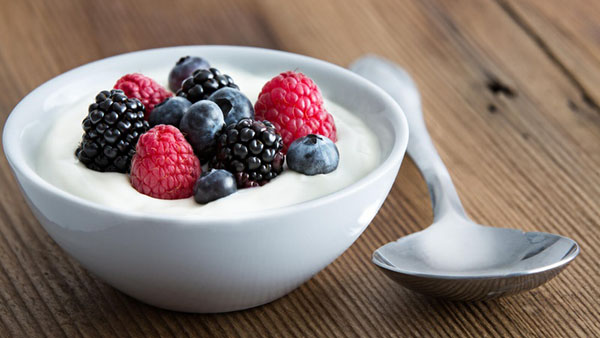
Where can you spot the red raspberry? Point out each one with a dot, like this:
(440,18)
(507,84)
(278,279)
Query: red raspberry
(164,165)
(293,103)
(144,89)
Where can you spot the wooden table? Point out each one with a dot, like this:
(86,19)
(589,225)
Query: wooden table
(511,92)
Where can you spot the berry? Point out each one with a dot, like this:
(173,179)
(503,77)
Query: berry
(213,185)
(144,89)
(251,150)
(201,124)
(164,165)
(234,105)
(293,103)
(170,111)
(203,83)
(183,69)
(111,131)
(313,155)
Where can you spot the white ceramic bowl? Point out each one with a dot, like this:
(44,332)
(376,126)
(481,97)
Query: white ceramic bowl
(200,264)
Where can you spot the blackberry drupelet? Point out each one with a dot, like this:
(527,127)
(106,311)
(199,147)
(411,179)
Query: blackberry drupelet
(251,150)
(112,128)
(204,82)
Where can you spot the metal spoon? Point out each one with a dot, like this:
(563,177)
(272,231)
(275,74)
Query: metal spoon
(456,258)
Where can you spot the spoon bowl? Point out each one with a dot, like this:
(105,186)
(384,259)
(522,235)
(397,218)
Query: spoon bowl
(456,258)
(461,260)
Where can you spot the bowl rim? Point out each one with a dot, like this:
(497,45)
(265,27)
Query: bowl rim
(17,161)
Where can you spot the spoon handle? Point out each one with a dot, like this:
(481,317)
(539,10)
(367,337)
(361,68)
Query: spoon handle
(399,85)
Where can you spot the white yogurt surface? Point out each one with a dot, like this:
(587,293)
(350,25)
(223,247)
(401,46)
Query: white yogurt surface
(358,147)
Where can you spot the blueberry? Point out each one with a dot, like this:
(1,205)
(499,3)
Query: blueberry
(170,111)
(200,126)
(213,185)
(233,103)
(183,69)
(313,155)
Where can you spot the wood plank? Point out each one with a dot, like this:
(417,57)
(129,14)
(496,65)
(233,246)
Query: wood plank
(569,33)
(499,107)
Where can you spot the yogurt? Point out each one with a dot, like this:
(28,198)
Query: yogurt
(358,147)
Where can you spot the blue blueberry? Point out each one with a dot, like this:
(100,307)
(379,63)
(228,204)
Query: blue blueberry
(200,126)
(313,155)
(213,185)
(170,111)
(234,104)
(183,69)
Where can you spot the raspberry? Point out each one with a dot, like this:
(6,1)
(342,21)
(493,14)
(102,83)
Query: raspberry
(164,165)
(144,89)
(293,103)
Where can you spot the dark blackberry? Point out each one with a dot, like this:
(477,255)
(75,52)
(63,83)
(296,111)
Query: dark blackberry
(204,82)
(251,150)
(112,128)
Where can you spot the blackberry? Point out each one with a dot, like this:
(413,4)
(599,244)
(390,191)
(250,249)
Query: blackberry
(251,150)
(112,128)
(204,82)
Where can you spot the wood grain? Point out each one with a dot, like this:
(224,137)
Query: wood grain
(510,92)
(570,37)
